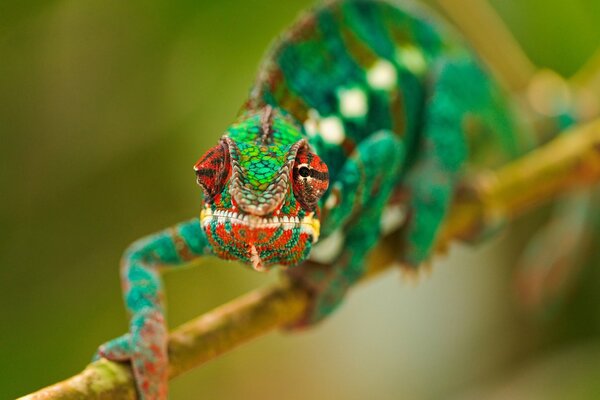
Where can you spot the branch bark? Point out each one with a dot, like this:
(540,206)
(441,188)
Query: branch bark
(569,162)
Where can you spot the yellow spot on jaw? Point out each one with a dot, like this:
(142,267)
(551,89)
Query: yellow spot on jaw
(352,102)
(382,75)
(412,58)
(316,226)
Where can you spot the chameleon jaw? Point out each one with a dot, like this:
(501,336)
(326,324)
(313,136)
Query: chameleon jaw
(308,224)
(258,241)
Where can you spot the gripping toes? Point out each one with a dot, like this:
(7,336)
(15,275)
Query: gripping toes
(325,293)
(149,354)
(118,349)
(146,349)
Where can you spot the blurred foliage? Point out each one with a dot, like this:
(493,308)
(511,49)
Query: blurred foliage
(105,106)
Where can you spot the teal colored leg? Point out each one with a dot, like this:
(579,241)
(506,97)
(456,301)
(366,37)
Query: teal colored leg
(363,189)
(432,180)
(145,346)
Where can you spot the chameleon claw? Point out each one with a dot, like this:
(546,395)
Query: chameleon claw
(145,348)
(118,349)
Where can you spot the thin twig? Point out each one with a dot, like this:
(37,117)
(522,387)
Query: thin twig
(586,85)
(569,162)
(588,75)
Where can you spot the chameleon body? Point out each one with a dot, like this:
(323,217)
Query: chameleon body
(357,107)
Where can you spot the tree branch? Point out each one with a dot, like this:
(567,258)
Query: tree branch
(571,161)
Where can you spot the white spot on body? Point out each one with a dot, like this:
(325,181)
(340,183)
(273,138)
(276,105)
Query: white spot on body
(328,249)
(352,102)
(331,201)
(332,130)
(311,125)
(392,218)
(412,58)
(382,75)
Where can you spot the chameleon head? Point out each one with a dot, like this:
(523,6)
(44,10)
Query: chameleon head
(262,184)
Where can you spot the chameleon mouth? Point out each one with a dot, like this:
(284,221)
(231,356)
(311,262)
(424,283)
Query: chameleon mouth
(308,224)
(259,241)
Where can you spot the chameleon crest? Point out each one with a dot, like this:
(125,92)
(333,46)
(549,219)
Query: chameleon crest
(262,184)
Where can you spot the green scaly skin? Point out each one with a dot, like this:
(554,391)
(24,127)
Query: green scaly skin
(358,107)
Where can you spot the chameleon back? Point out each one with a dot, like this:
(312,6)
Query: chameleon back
(349,69)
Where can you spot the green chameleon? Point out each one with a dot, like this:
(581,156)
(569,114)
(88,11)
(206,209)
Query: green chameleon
(363,119)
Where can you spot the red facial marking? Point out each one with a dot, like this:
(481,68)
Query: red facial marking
(150,367)
(310,178)
(282,240)
(212,170)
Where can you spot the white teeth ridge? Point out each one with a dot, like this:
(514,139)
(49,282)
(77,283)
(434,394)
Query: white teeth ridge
(306,224)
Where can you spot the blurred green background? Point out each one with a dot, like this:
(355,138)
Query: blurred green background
(104,107)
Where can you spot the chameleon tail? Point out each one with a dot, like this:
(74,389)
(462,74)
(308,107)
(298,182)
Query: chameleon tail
(551,263)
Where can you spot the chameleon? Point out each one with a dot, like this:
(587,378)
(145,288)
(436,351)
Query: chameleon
(364,118)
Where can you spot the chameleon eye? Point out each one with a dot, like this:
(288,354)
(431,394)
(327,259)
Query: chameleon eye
(310,178)
(212,170)
(304,172)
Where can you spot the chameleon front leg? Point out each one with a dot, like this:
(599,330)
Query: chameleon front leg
(145,346)
(459,89)
(352,214)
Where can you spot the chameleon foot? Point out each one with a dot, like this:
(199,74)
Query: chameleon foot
(325,290)
(146,349)
(118,349)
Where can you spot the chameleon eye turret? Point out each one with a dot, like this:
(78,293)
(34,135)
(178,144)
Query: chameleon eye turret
(212,171)
(262,184)
(310,177)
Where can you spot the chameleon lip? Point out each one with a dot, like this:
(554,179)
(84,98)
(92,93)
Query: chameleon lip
(308,224)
